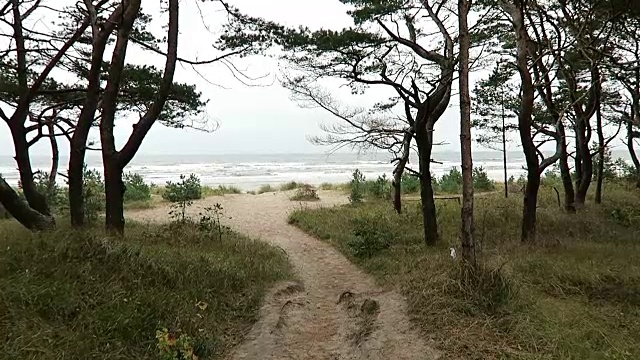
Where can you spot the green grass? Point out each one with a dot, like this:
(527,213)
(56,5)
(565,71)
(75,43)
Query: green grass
(154,202)
(336,187)
(291,185)
(575,295)
(208,191)
(81,295)
(266,189)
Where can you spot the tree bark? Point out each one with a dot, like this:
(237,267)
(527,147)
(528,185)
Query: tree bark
(468,243)
(529,216)
(114,194)
(429,216)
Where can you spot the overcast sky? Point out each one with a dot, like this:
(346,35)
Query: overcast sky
(252,119)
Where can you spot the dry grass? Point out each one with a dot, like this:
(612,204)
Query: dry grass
(575,295)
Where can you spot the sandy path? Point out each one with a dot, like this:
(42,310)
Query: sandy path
(335,312)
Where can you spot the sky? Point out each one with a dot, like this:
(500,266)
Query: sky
(260,118)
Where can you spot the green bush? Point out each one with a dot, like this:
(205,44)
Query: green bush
(94,198)
(481,180)
(379,189)
(136,188)
(451,183)
(357,187)
(56,197)
(370,236)
(410,184)
(188,188)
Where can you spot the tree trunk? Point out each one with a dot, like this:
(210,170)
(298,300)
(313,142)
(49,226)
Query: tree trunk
(586,165)
(76,176)
(35,199)
(504,157)
(601,145)
(468,248)
(517,13)
(397,196)
(399,170)
(430,223)
(114,195)
(530,206)
(21,211)
(55,159)
(78,146)
(565,172)
(631,145)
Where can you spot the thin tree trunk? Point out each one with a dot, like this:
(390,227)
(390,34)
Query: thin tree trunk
(399,171)
(631,145)
(468,248)
(601,145)
(430,223)
(504,152)
(55,159)
(565,172)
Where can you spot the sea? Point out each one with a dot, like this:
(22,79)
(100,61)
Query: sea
(250,171)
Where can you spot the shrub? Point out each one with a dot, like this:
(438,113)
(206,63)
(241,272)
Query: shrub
(357,187)
(94,198)
(481,180)
(410,184)
(379,189)
(452,182)
(188,188)
(306,193)
(136,188)
(370,237)
(54,194)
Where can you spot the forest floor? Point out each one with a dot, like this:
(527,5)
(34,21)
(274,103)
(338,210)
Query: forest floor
(334,310)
